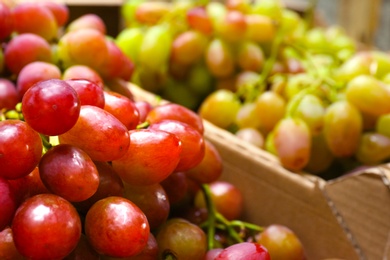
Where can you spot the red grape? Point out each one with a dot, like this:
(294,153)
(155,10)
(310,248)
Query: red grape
(46,226)
(51,107)
(33,73)
(83,72)
(6,21)
(83,250)
(110,184)
(152,200)
(65,169)
(152,156)
(8,250)
(115,226)
(20,149)
(82,47)
(28,186)
(122,108)
(175,112)
(244,251)
(210,168)
(8,95)
(8,203)
(89,92)
(37,19)
(89,20)
(192,142)
(25,48)
(100,134)
(59,10)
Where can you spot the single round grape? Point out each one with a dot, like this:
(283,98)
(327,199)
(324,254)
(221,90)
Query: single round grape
(220,108)
(89,92)
(46,226)
(373,149)
(100,134)
(51,107)
(369,95)
(152,156)
(192,142)
(181,239)
(116,227)
(175,112)
(65,169)
(292,143)
(33,73)
(90,20)
(342,128)
(219,58)
(20,149)
(281,242)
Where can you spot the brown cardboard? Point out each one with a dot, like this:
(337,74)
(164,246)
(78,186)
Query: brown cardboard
(315,209)
(362,200)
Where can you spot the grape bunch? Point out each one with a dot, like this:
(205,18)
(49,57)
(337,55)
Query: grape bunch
(89,172)
(126,180)
(308,94)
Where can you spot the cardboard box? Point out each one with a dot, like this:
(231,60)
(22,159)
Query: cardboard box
(345,218)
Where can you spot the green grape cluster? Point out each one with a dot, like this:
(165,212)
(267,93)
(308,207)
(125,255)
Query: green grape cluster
(305,93)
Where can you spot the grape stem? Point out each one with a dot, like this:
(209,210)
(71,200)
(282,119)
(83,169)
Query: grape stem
(216,220)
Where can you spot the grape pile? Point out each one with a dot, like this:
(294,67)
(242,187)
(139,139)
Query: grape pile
(305,93)
(88,172)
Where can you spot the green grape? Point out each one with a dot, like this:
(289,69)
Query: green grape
(342,128)
(382,125)
(220,108)
(181,94)
(219,58)
(358,64)
(270,108)
(199,80)
(129,41)
(290,21)
(216,11)
(315,40)
(247,116)
(291,140)
(155,48)
(381,64)
(270,8)
(369,95)
(340,43)
(250,56)
(296,83)
(321,157)
(128,10)
(374,148)
(310,109)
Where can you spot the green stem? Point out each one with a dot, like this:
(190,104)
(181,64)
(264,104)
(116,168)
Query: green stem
(246,225)
(211,216)
(269,64)
(46,144)
(232,232)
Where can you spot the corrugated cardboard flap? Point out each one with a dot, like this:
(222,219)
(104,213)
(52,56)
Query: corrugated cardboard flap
(363,202)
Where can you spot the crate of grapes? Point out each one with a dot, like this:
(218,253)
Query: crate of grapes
(343,218)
